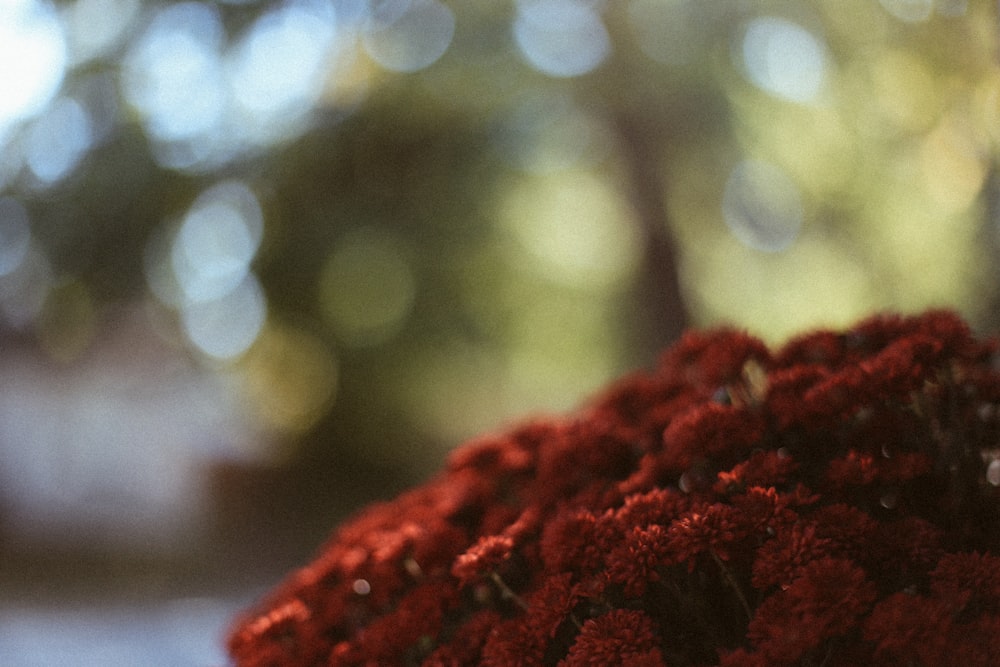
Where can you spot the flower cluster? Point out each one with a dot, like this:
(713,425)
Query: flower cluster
(836,502)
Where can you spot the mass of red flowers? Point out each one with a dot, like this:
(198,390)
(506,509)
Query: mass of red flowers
(834,503)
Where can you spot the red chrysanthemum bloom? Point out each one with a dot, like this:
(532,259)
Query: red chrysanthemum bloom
(484,557)
(834,503)
(619,638)
(824,601)
(635,562)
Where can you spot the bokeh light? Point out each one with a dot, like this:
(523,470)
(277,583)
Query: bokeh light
(226,327)
(205,102)
(32,59)
(202,268)
(911,11)
(575,227)
(784,59)
(216,242)
(277,69)
(561,38)
(367,288)
(779,294)
(547,133)
(408,35)
(762,206)
(953,164)
(173,74)
(58,140)
(96,27)
(290,376)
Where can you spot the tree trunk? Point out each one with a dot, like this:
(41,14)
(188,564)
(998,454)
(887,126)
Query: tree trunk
(659,289)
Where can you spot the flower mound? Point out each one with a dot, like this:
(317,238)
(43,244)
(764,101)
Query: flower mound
(833,503)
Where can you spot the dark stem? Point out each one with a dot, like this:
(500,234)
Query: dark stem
(507,593)
(735,585)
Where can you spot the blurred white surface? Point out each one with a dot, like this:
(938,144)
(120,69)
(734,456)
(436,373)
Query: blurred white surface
(177,633)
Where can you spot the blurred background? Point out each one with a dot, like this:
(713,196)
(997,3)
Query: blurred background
(263,262)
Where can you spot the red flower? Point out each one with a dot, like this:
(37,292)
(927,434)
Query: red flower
(416,619)
(973,574)
(659,506)
(908,629)
(825,601)
(711,430)
(616,639)
(466,644)
(524,640)
(763,512)
(484,557)
(634,563)
(828,505)
(780,561)
(714,529)
(763,468)
(847,530)
(785,390)
(570,542)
